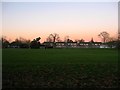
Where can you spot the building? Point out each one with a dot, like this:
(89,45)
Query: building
(74,44)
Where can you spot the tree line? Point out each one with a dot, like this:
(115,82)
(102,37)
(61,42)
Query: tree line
(35,43)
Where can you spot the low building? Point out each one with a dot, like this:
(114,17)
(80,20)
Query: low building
(73,44)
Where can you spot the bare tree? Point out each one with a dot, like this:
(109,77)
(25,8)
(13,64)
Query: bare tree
(112,39)
(22,40)
(92,41)
(66,38)
(79,41)
(104,35)
(49,39)
(53,37)
(4,42)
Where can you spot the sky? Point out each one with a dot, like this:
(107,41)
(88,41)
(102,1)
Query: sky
(78,20)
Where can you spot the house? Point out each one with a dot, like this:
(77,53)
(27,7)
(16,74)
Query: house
(104,45)
(73,44)
(89,44)
(60,44)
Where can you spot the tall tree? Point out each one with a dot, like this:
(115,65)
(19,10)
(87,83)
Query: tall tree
(35,43)
(92,41)
(53,37)
(5,42)
(104,35)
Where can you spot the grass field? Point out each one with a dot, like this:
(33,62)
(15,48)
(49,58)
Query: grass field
(60,68)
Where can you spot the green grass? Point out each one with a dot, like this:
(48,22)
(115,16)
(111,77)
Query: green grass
(60,56)
(60,68)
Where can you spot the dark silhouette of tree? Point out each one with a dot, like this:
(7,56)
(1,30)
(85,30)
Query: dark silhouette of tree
(69,40)
(66,38)
(53,37)
(37,39)
(112,44)
(20,43)
(92,41)
(104,35)
(5,42)
(80,41)
(49,39)
(27,42)
(14,44)
(35,43)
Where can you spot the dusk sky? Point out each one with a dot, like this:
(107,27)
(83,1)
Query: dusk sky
(78,20)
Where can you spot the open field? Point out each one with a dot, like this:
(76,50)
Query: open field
(49,68)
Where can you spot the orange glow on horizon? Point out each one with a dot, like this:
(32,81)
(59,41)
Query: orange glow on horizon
(76,20)
(87,38)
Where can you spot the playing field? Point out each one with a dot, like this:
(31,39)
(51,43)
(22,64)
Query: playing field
(49,68)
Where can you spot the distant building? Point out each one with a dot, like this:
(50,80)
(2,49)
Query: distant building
(74,44)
